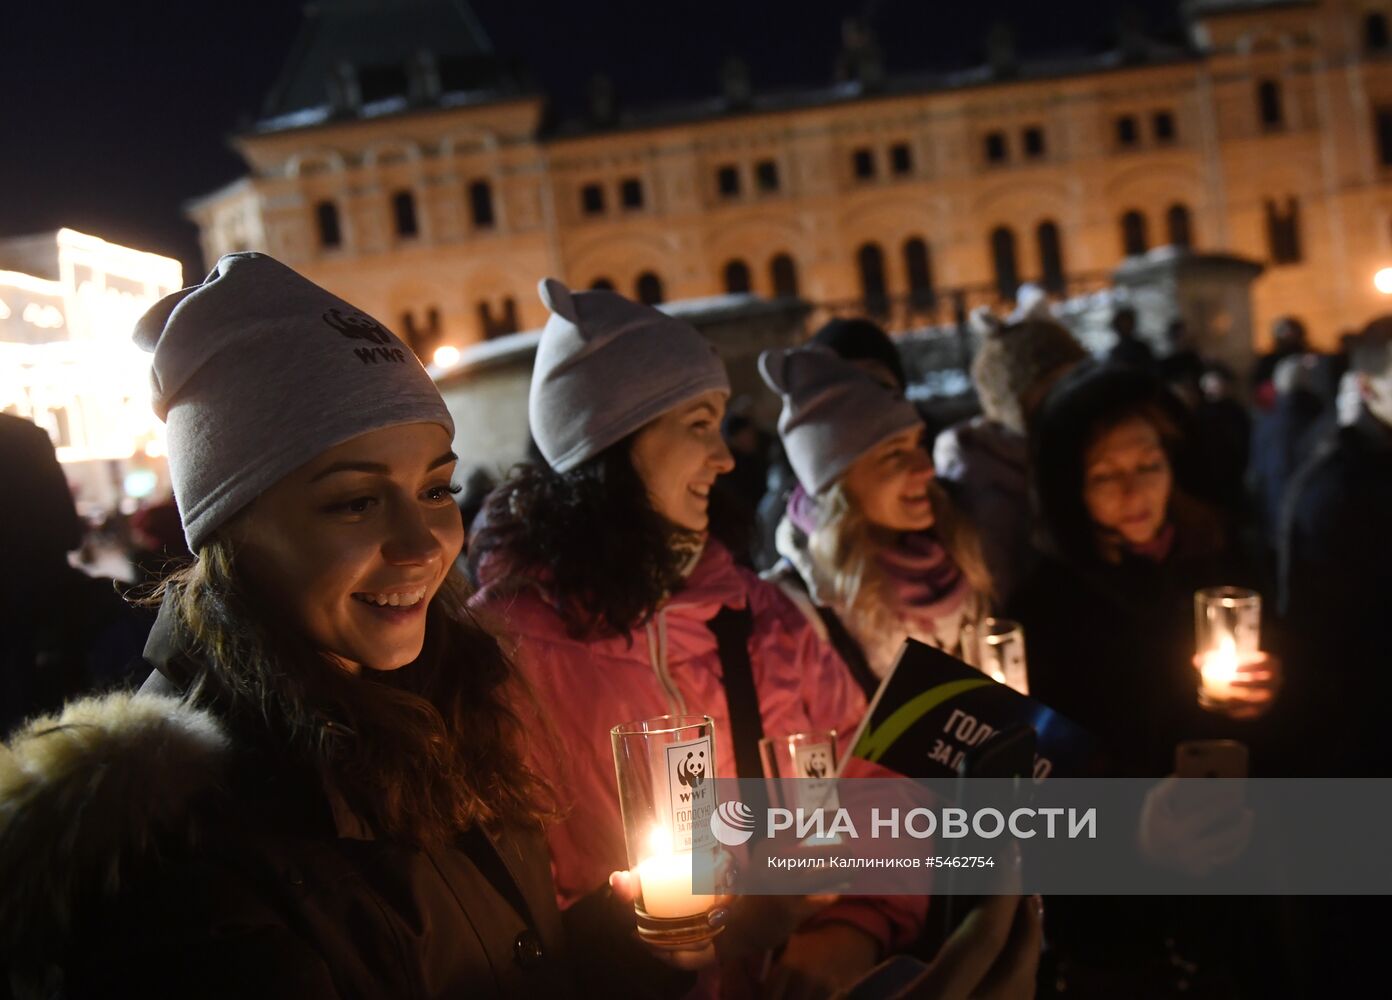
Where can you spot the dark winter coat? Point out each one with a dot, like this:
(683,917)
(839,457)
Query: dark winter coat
(1336,593)
(73,636)
(1111,645)
(146,851)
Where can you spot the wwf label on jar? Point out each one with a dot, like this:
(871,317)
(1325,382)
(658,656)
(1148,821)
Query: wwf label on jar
(691,793)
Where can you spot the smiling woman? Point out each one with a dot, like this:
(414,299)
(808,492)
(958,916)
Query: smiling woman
(872,547)
(356,543)
(321,790)
(623,608)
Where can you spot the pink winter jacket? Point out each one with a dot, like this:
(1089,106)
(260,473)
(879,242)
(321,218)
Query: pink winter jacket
(671,667)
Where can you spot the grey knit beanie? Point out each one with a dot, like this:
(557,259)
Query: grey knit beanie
(833,412)
(1014,357)
(258,370)
(605,367)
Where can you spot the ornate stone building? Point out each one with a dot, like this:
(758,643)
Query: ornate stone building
(402,164)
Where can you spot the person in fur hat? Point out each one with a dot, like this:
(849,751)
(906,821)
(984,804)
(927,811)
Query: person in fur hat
(320,791)
(984,460)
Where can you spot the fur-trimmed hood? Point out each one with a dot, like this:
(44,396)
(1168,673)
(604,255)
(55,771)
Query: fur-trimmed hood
(87,794)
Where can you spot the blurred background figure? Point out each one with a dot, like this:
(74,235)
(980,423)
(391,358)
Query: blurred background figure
(478,483)
(864,344)
(1284,435)
(1129,349)
(157,541)
(1336,571)
(62,632)
(984,461)
(1288,337)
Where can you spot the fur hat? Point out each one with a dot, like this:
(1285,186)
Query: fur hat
(1013,358)
(606,367)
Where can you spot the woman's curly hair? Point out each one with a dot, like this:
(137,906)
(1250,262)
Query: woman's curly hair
(590,536)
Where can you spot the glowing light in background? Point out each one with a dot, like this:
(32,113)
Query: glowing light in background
(1382,281)
(140,483)
(445,356)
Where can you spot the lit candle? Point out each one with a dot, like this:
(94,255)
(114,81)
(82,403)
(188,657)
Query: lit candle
(665,879)
(1219,669)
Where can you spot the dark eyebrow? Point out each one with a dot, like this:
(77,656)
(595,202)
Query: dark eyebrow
(369,467)
(376,468)
(702,406)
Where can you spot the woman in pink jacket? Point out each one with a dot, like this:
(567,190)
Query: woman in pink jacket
(621,606)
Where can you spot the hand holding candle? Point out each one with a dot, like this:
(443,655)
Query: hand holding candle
(664,880)
(1235,677)
(665,771)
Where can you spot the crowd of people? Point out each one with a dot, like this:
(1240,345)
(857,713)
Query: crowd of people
(357,742)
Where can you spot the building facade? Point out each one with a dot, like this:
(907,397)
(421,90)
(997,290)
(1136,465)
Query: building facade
(436,202)
(68,303)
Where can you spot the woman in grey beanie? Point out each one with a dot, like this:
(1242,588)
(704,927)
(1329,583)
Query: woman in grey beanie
(623,607)
(320,792)
(871,547)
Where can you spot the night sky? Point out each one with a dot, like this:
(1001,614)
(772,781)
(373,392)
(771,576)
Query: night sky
(114,115)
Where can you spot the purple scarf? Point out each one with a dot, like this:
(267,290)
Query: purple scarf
(924,577)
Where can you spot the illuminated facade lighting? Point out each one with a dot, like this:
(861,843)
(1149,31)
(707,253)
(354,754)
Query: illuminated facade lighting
(68,304)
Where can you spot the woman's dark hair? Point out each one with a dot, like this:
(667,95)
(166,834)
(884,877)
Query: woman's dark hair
(1092,399)
(422,753)
(590,536)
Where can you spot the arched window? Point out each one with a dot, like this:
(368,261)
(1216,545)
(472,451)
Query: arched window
(481,204)
(783,276)
(737,277)
(1283,231)
(1269,104)
(1133,234)
(920,271)
(404,213)
(1375,34)
(421,333)
(602,284)
(509,320)
(1004,262)
(874,292)
(498,326)
(1178,226)
(1051,274)
(649,288)
(326,218)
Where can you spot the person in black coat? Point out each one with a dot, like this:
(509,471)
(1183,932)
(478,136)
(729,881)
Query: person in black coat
(1108,615)
(62,632)
(1336,575)
(1109,633)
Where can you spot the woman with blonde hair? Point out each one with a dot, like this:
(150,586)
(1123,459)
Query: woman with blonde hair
(871,544)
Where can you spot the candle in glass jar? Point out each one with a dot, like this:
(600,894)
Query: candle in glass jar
(664,878)
(1218,669)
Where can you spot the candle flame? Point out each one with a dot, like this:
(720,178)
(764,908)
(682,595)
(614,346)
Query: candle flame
(1220,665)
(659,842)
